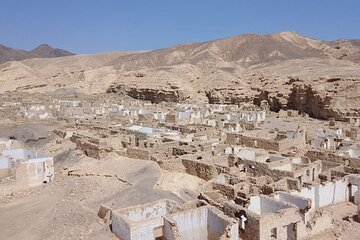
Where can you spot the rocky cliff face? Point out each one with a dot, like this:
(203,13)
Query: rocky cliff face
(150,94)
(305,99)
(322,99)
(227,96)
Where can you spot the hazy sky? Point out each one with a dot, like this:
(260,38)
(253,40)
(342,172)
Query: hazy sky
(88,26)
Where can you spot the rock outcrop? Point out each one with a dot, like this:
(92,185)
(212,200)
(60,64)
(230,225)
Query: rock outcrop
(151,94)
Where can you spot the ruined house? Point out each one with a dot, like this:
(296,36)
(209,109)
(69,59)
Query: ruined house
(161,220)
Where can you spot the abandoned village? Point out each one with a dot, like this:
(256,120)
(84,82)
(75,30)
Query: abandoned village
(264,175)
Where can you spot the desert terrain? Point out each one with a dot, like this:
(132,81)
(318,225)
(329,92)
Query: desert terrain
(286,69)
(260,132)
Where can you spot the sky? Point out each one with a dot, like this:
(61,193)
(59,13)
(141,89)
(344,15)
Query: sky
(90,26)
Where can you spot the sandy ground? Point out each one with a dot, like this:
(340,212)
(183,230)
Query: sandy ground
(67,208)
(63,209)
(344,223)
(182,184)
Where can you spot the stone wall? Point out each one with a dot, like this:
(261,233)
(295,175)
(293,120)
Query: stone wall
(279,221)
(138,153)
(261,169)
(89,149)
(252,142)
(200,169)
(332,157)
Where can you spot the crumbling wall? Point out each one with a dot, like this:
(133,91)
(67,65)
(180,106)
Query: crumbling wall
(247,141)
(261,169)
(225,189)
(89,149)
(252,225)
(309,173)
(253,142)
(170,118)
(113,142)
(332,157)
(89,146)
(232,138)
(286,184)
(171,231)
(138,153)
(221,227)
(279,221)
(267,144)
(200,169)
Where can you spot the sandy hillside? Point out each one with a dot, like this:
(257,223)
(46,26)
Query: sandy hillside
(286,69)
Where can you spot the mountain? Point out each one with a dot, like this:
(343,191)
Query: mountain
(245,50)
(42,51)
(45,51)
(286,69)
(10,54)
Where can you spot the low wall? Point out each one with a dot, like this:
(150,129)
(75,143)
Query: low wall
(200,169)
(225,189)
(89,149)
(252,142)
(114,142)
(138,153)
(232,138)
(261,169)
(267,144)
(332,157)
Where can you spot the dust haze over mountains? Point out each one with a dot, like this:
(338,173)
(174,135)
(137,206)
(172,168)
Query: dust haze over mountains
(288,70)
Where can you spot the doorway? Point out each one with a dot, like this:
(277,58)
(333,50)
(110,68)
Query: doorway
(351,197)
(292,231)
